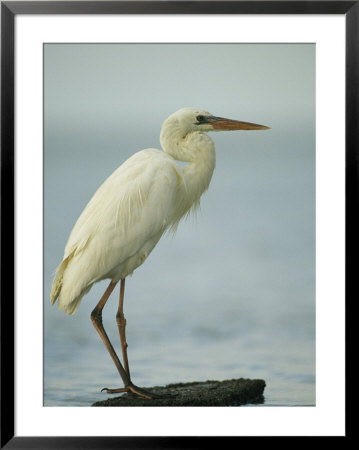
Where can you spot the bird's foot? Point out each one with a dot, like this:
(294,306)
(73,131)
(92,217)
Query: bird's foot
(133,389)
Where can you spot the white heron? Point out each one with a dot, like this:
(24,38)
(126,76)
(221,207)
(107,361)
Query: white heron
(147,195)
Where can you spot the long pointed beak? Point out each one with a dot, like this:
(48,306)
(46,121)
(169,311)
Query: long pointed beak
(220,123)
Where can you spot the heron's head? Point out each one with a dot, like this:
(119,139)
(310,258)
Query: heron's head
(182,133)
(189,120)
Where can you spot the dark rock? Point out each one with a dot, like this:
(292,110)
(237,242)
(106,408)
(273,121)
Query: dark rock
(209,393)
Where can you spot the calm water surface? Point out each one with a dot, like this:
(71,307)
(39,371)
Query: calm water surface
(231,295)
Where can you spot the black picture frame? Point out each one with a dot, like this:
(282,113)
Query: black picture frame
(9,10)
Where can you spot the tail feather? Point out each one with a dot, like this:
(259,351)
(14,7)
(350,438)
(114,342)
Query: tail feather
(71,308)
(57,282)
(68,298)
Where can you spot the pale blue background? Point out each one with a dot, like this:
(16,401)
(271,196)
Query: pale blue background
(233,293)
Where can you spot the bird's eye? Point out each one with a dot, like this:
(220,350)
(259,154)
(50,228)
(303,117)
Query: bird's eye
(200,118)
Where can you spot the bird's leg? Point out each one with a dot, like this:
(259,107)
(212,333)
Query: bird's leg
(121,323)
(96,317)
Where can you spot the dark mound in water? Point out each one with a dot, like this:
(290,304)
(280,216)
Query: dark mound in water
(208,393)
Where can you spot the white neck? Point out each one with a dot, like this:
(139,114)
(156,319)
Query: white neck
(198,150)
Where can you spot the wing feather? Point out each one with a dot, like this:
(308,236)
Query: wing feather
(120,225)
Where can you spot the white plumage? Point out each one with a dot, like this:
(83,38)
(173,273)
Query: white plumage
(147,195)
(120,225)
